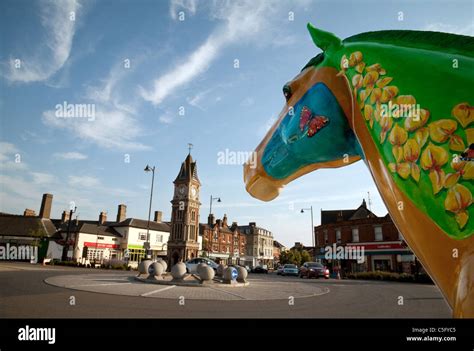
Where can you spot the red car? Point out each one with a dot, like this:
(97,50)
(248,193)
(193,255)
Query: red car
(313,270)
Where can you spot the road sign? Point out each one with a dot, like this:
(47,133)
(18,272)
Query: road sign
(234,273)
(126,253)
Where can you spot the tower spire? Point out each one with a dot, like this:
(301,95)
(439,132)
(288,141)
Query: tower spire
(190,147)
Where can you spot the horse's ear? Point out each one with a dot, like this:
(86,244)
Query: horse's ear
(324,40)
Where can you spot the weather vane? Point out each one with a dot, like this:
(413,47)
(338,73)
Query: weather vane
(190,146)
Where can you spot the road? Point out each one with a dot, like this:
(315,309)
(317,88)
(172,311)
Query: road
(25,294)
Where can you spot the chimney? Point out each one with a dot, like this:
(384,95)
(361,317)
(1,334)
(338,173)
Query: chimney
(224,221)
(210,219)
(29,213)
(364,204)
(339,217)
(219,223)
(252,224)
(234,226)
(65,217)
(102,217)
(158,216)
(46,203)
(121,213)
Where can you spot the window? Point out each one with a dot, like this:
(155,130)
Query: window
(355,235)
(159,238)
(100,238)
(142,236)
(378,233)
(326,236)
(193,215)
(136,254)
(338,235)
(216,237)
(114,239)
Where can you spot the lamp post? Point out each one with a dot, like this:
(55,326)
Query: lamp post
(312,226)
(147,243)
(66,244)
(212,199)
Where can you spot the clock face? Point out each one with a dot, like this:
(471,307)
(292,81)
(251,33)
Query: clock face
(182,190)
(194,191)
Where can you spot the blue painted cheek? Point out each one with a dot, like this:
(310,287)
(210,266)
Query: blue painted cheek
(290,148)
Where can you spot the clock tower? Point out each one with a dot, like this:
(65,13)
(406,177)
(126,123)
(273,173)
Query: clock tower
(183,241)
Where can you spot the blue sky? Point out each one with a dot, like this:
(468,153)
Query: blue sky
(174,64)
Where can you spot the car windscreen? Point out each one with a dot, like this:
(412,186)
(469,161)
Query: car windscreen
(315,265)
(290,266)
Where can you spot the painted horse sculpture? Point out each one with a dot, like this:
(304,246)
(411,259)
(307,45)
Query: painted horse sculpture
(400,101)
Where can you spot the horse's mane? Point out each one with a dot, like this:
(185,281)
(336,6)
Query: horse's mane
(461,44)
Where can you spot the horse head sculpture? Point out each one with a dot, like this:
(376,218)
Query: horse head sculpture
(401,102)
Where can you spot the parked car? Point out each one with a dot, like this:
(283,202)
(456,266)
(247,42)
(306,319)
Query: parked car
(238,265)
(192,264)
(289,269)
(260,269)
(313,270)
(279,270)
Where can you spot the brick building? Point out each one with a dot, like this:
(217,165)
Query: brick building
(384,247)
(222,242)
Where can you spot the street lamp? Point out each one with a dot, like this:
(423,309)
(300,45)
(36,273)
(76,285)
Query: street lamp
(312,226)
(147,244)
(66,244)
(212,199)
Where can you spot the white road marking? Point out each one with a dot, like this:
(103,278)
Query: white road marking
(157,291)
(107,284)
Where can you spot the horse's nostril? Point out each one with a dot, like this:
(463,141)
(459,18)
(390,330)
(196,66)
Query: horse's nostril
(293,138)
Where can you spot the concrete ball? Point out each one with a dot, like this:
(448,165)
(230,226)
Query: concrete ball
(178,271)
(164,264)
(228,274)
(206,273)
(220,270)
(155,269)
(199,267)
(242,274)
(143,266)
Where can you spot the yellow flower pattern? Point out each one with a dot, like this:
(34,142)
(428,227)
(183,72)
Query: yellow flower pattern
(418,144)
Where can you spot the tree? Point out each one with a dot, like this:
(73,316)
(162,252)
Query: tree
(305,257)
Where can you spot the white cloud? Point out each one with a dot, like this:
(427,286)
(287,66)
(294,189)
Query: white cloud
(43,178)
(178,5)
(115,125)
(84,181)
(451,28)
(7,150)
(241,20)
(70,155)
(111,129)
(55,47)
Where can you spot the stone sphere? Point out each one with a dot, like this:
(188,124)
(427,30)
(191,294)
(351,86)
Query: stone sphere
(206,273)
(199,267)
(155,269)
(143,266)
(220,270)
(164,264)
(178,271)
(229,274)
(242,274)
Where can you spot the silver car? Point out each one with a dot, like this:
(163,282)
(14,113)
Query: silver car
(191,265)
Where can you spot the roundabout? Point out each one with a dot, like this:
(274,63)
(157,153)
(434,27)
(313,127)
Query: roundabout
(130,285)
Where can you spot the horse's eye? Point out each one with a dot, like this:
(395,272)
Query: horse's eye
(287,92)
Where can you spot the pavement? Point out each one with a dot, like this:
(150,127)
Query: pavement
(34,291)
